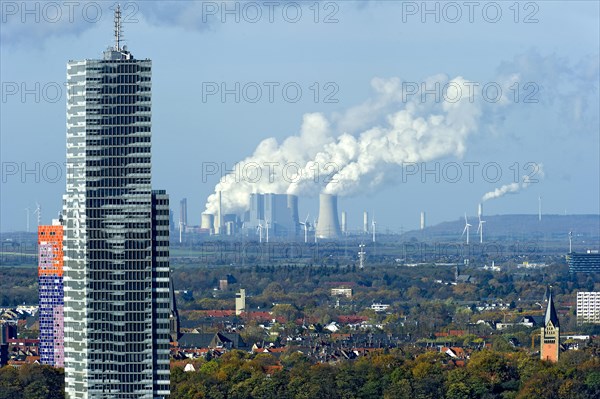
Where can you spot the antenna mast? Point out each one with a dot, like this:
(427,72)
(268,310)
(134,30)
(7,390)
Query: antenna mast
(118,28)
(38,212)
(361,256)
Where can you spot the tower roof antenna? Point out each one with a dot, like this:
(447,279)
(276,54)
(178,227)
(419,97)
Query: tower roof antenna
(118,28)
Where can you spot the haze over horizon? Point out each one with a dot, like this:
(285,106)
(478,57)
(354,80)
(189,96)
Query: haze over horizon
(374,114)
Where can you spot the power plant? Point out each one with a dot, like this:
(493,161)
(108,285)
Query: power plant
(328,225)
(271,217)
(276,213)
(276,216)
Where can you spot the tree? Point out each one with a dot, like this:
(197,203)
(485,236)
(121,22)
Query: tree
(38,389)
(543,385)
(31,381)
(10,385)
(414,293)
(287,311)
(491,367)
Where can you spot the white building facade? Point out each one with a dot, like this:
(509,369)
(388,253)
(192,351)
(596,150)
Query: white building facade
(588,307)
(116,273)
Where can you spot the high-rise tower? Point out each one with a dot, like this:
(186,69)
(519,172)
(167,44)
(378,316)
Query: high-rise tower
(116,247)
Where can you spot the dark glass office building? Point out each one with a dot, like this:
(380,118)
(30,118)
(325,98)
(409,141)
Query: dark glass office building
(587,262)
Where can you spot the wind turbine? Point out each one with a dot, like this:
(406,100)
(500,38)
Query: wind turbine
(570,241)
(27,212)
(267,224)
(467,227)
(373,223)
(259,230)
(480,230)
(38,212)
(306,224)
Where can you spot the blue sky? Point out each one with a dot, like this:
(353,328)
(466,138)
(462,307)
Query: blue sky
(366,59)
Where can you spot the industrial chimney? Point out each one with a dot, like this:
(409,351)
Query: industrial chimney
(218,221)
(328,225)
(366,222)
(422,220)
(292,204)
(344,226)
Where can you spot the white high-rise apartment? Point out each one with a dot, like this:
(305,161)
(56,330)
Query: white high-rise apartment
(588,307)
(116,246)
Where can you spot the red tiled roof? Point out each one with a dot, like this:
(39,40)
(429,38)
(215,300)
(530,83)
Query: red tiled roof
(459,352)
(257,315)
(277,350)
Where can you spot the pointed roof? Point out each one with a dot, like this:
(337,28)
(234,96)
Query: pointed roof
(551,313)
(173,301)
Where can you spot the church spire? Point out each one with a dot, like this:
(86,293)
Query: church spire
(551,315)
(550,333)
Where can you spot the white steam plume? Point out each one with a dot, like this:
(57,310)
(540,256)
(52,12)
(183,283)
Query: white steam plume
(317,161)
(500,191)
(515,187)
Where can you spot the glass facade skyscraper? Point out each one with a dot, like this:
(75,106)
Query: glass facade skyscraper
(116,248)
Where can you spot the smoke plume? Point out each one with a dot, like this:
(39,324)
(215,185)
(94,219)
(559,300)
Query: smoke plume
(515,187)
(410,130)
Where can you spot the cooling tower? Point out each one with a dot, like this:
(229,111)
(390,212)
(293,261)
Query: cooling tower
(207,221)
(344,227)
(328,225)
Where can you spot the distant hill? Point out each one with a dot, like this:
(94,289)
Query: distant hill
(517,227)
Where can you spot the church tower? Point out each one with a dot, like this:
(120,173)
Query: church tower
(550,334)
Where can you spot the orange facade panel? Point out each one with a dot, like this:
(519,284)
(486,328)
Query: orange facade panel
(550,352)
(50,250)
